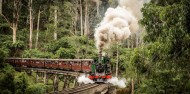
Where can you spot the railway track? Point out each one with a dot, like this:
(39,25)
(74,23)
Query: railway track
(80,88)
(85,89)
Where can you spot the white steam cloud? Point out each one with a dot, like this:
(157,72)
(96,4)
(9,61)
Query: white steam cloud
(121,83)
(84,79)
(134,6)
(117,25)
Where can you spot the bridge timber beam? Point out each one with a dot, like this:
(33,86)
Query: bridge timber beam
(44,74)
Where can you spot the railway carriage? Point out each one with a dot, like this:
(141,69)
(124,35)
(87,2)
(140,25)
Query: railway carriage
(17,62)
(76,65)
(86,65)
(25,62)
(51,63)
(37,63)
(65,64)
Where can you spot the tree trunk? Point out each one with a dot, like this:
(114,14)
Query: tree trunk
(1,1)
(75,16)
(14,32)
(16,10)
(97,8)
(117,62)
(31,24)
(137,39)
(132,42)
(81,18)
(55,22)
(38,26)
(86,25)
(128,43)
(132,84)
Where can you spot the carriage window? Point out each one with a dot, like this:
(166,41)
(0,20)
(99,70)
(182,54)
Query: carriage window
(37,61)
(75,63)
(47,62)
(54,62)
(85,63)
(33,61)
(78,63)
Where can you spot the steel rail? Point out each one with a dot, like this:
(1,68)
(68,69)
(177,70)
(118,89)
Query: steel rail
(80,88)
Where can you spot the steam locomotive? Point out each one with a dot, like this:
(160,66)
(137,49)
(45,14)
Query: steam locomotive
(99,69)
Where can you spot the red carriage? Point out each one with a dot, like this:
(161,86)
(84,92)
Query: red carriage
(64,64)
(86,65)
(51,63)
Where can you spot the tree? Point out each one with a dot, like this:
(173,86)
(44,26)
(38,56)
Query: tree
(55,22)
(31,23)
(76,17)
(86,22)
(81,19)
(38,26)
(16,14)
(1,3)
(163,63)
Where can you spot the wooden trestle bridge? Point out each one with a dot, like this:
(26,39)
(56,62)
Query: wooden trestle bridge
(56,75)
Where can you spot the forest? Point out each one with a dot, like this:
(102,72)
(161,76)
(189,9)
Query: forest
(155,59)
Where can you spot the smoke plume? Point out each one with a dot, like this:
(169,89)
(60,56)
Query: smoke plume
(118,23)
(121,83)
(84,79)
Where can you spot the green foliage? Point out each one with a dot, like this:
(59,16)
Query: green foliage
(7,80)
(17,45)
(4,51)
(15,49)
(3,55)
(7,69)
(72,47)
(20,82)
(162,64)
(12,82)
(66,47)
(65,53)
(6,92)
(38,88)
(34,53)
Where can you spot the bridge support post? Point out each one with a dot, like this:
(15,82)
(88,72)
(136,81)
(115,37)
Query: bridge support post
(75,81)
(55,83)
(29,72)
(77,84)
(37,77)
(65,81)
(45,77)
(68,81)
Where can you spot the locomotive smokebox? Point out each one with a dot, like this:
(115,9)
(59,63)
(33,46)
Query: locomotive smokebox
(100,56)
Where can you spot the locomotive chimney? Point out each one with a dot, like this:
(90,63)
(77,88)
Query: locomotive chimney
(100,56)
